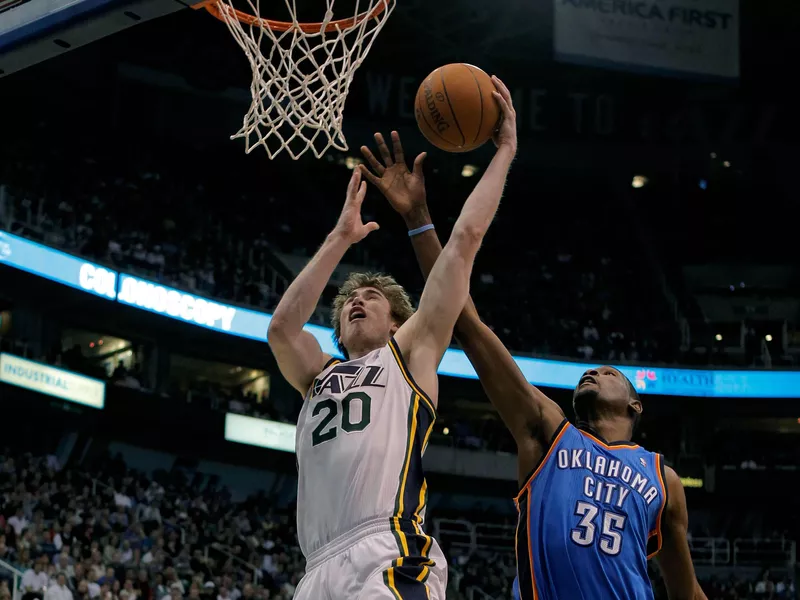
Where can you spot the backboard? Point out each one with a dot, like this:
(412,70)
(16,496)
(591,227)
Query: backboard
(32,31)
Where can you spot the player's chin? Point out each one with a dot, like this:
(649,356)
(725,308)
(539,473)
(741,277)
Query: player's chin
(582,401)
(354,326)
(585,393)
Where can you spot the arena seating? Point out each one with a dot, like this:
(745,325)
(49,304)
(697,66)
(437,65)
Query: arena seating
(580,289)
(118,535)
(121,535)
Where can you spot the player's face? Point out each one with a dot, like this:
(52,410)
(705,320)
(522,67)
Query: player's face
(604,384)
(366,317)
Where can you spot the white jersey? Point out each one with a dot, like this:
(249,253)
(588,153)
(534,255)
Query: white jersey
(361,434)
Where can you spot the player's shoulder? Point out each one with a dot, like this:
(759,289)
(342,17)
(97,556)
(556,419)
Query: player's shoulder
(394,355)
(330,363)
(671,478)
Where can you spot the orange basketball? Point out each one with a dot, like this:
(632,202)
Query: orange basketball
(455,108)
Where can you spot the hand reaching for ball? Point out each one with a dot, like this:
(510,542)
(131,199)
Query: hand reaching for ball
(404,189)
(506,133)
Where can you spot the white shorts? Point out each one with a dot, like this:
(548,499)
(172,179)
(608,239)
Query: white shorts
(373,563)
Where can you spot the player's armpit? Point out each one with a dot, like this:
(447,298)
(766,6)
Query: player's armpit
(675,559)
(299,357)
(424,338)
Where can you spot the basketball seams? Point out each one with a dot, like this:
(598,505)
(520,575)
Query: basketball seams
(421,108)
(480,95)
(452,110)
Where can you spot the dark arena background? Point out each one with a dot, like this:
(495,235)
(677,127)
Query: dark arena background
(649,222)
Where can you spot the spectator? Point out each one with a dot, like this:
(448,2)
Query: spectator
(18,521)
(34,581)
(82,591)
(59,591)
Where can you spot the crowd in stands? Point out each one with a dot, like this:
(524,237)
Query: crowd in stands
(115,535)
(577,287)
(111,533)
(493,574)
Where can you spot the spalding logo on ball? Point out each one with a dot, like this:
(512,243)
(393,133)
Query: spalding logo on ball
(455,108)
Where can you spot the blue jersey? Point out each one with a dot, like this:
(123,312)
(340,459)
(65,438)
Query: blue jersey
(589,519)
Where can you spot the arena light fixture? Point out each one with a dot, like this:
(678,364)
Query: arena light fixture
(718,337)
(446,430)
(639,181)
(351,162)
(726,164)
(768,337)
(469,170)
(692,482)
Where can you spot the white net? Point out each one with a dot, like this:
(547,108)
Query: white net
(301,73)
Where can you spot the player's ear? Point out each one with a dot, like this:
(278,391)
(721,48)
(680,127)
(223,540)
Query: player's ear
(636,406)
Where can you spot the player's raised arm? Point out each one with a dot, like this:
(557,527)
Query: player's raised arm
(675,559)
(298,353)
(424,338)
(530,415)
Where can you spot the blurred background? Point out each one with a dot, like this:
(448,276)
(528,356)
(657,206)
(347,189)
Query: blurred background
(649,222)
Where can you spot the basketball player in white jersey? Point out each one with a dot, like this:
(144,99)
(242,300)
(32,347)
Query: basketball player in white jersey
(365,421)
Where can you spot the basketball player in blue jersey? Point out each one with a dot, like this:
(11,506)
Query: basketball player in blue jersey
(593,506)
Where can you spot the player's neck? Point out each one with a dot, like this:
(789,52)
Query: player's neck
(360,350)
(611,429)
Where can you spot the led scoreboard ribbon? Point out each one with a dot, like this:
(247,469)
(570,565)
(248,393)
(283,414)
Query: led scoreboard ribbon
(242,322)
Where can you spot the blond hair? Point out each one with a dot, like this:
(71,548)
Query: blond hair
(399,300)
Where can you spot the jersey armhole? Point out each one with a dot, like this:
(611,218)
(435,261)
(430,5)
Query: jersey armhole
(401,363)
(547,450)
(309,392)
(330,363)
(655,538)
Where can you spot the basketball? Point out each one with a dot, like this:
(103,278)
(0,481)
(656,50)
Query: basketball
(455,108)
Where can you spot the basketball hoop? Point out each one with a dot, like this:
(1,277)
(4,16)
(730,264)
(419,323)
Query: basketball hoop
(301,72)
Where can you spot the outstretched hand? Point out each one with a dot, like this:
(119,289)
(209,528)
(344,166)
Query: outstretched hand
(350,225)
(506,134)
(404,189)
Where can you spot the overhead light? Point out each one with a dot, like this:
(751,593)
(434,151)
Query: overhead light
(639,181)
(446,430)
(718,337)
(691,482)
(726,164)
(713,155)
(768,337)
(469,170)
(351,162)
